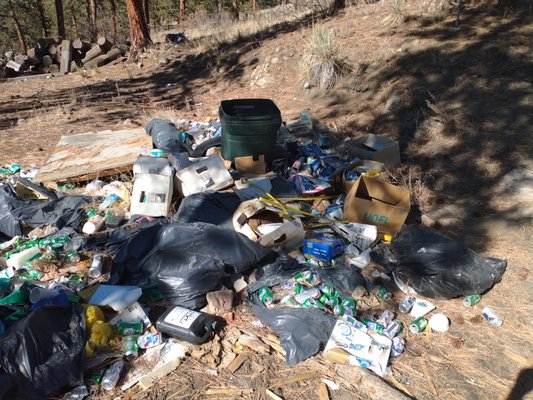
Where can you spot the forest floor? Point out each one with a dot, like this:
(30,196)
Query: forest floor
(460,102)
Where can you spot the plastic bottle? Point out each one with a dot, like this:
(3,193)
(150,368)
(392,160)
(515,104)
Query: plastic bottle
(94,224)
(193,326)
(19,259)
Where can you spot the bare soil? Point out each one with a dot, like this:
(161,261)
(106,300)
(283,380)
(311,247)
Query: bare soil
(460,104)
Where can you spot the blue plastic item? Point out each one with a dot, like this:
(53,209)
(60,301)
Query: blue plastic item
(323,247)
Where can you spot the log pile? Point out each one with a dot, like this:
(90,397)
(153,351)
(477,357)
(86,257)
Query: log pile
(55,55)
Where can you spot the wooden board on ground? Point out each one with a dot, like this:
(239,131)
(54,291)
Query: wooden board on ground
(93,154)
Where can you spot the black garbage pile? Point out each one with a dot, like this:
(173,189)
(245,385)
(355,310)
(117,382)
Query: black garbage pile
(307,230)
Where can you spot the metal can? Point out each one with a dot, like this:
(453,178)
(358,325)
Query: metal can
(306,303)
(406,304)
(382,293)
(265,295)
(318,304)
(307,278)
(73,257)
(398,346)
(96,376)
(149,340)
(112,375)
(393,329)
(472,299)
(348,302)
(130,347)
(130,328)
(308,294)
(333,301)
(418,325)
(341,310)
(327,290)
(376,326)
(288,301)
(491,317)
(96,267)
(298,288)
(386,318)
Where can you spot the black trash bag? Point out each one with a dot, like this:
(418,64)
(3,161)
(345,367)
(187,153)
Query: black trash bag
(186,261)
(44,353)
(303,332)
(66,211)
(438,267)
(166,137)
(215,208)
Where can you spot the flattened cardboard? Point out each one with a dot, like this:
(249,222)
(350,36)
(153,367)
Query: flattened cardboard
(376,148)
(372,201)
(251,165)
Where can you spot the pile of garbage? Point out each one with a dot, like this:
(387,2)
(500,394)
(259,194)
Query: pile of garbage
(289,218)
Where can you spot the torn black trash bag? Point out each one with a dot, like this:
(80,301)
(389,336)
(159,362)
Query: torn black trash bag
(438,267)
(303,332)
(166,137)
(186,261)
(45,352)
(215,208)
(16,213)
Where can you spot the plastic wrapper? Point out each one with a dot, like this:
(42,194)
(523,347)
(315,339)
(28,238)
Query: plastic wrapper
(166,136)
(303,332)
(186,261)
(44,352)
(438,267)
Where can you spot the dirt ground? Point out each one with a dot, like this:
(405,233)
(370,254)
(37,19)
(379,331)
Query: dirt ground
(460,102)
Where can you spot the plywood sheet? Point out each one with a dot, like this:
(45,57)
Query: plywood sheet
(93,154)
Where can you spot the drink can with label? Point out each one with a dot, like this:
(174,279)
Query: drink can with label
(386,318)
(393,329)
(472,299)
(418,325)
(382,293)
(406,304)
(348,302)
(308,294)
(376,326)
(491,317)
(112,375)
(265,295)
(398,346)
(327,290)
(298,288)
(130,347)
(96,267)
(130,328)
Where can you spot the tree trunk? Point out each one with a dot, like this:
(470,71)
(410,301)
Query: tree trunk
(235,10)
(18,28)
(146,8)
(91,19)
(113,20)
(139,35)
(42,17)
(60,18)
(254,5)
(181,19)
(75,29)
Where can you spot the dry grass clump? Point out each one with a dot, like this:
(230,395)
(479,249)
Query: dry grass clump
(323,62)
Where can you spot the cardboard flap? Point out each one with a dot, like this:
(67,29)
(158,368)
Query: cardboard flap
(251,165)
(374,189)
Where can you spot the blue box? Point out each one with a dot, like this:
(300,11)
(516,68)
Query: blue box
(323,247)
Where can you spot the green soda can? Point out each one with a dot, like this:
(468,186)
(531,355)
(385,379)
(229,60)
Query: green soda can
(321,306)
(130,347)
(96,376)
(73,257)
(306,304)
(130,328)
(382,293)
(376,326)
(323,299)
(298,288)
(333,301)
(265,295)
(348,302)
(472,299)
(288,301)
(418,325)
(327,290)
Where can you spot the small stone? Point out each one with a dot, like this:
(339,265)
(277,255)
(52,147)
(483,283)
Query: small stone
(307,85)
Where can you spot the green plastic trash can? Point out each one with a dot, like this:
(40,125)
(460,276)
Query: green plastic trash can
(249,128)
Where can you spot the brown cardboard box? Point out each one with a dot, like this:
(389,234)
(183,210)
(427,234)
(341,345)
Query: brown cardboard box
(372,201)
(376,148)
(347,185)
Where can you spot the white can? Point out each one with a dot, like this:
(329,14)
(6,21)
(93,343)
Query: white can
(94,224)
(491,317)
(96,267)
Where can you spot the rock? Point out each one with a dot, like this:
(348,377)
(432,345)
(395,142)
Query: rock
(518,182)
(274,60)
(21,121)
(307,85)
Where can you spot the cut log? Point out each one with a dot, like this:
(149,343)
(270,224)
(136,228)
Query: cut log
(44,43)
(79,44)
(105,44)
(54,68)
(93,53)
(66,56)
(44,69)
(103,59)
(47,60)
(52,49)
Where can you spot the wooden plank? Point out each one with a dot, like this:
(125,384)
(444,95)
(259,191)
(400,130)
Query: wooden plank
(272,395)
(66,56)
(322,391)
(293,379)
(236,364)
(93,154)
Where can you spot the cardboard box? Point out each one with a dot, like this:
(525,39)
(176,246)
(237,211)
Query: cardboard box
(372,201)
(208,174)
(323,247)
(151,195)
(360,167)
(376,148)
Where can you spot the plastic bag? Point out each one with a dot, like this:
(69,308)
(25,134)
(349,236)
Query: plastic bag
(303,332)
(438,267)
(166,137)
(186,261)
(44,352)
(216,208)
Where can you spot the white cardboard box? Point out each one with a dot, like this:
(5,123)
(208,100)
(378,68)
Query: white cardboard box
(208,174)
(151,195)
